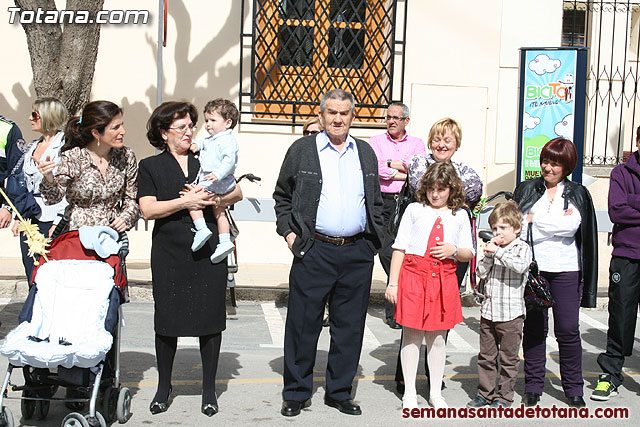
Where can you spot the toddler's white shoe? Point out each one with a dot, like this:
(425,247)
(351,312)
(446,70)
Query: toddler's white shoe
(409,402)
(222,250)
(438,402)
(200,239)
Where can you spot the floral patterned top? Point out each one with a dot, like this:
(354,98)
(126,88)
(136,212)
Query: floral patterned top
(470,180)
(94,199)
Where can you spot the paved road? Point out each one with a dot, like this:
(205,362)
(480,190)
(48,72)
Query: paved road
(250,382)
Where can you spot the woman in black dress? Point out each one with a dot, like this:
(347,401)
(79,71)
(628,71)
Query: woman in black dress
(188,290)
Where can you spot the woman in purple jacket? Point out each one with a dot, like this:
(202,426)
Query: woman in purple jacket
(624,273)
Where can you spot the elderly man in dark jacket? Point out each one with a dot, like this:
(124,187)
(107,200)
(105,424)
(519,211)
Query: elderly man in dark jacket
(329,210)
(624,274)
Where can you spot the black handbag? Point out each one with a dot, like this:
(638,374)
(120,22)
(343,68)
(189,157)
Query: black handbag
(23,199)
(537,295)
(405,197)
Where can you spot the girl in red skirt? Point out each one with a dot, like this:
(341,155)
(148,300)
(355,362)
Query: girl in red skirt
(434,234)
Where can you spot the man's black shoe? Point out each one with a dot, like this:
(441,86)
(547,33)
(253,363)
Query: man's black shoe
(530,398)
(345,406)
(392,323)
(291,408)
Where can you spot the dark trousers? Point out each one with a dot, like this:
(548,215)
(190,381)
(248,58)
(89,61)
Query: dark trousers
(499,341)
(624,296)
(566,290)
(345,273)
(389,205)
(27,261)
(460,272)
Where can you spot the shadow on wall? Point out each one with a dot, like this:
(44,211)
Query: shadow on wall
(20,115)
(135,122)
(221,80)
(135,118)
(506,182)
(216,79)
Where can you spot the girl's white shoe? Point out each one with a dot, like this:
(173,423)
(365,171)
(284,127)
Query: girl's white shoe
(437,402)
(409,402)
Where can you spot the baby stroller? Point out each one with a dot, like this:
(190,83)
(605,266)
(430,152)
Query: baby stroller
(69,336)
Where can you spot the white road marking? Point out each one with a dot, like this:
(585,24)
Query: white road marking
(552,344)
(5,301)
(275,324)
(596,324)
(459,344)
(584,317)
(369,341)
(188,342)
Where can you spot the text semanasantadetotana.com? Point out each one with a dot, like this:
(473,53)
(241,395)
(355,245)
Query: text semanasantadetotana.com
(41,16)
(518,412)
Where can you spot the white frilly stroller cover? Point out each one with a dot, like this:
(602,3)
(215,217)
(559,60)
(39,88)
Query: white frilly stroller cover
(70,305)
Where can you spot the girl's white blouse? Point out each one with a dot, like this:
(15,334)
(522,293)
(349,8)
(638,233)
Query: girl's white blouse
(554,233)
(418,221)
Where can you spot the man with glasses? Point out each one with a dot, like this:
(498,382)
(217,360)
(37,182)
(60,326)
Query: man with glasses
(329,211)
(393,149)
(11,149)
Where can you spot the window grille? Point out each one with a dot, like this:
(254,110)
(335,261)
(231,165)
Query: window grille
(611,31)
(300,49)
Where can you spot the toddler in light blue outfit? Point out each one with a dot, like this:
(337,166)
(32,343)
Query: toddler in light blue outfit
(218,161)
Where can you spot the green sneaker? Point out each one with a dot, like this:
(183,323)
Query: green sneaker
(605,388)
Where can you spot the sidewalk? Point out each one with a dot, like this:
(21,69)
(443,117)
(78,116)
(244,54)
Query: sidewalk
(254,282)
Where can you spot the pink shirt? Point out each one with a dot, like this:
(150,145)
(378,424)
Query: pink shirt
(386,148)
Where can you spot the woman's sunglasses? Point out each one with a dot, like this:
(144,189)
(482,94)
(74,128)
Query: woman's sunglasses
(309,132)
(35,115)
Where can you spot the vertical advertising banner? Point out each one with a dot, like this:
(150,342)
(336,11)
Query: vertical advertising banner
(548,108)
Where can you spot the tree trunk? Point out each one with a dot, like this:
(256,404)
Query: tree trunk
(63,61)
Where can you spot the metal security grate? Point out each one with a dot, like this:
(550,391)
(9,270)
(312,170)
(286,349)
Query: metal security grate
(302,48)
(611,31)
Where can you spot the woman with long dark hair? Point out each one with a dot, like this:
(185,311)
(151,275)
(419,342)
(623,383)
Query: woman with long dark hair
(97,174)
(188,290)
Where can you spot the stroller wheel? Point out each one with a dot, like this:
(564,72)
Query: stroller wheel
(41,409)
(27,407)
(75,419)
(6,417)
(109,404)
(97,421)
(123,410)
(50,392)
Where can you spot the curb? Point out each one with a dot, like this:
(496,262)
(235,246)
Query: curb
(279,295)
(141,291)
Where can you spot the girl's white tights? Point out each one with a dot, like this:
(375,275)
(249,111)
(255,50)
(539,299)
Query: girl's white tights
(410,354)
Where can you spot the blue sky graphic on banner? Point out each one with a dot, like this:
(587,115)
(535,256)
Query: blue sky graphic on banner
(548,103)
